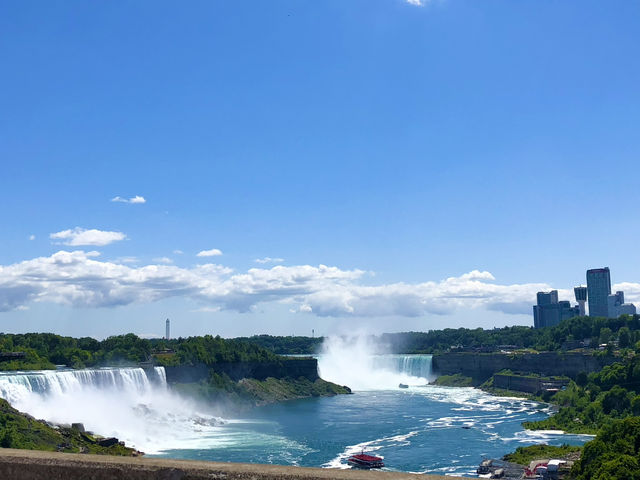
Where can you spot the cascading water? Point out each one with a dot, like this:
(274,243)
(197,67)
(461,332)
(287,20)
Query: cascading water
(418,366)
(129,403)
(357,363)
(17,387)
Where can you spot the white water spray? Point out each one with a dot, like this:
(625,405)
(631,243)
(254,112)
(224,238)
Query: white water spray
(359,363)
(131,404)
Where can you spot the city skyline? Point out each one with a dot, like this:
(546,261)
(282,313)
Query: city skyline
(239,171)
(550,310)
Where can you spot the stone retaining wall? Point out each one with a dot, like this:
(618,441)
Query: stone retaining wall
(38,465)
(480,366)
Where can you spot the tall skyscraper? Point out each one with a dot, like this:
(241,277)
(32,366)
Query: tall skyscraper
(598,289)
(168,332)
(549,311)
(581,298)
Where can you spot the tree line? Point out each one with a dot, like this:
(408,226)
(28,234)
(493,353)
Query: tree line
(624,331)
(46,350)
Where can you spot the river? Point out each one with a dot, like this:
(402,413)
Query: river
(421,429)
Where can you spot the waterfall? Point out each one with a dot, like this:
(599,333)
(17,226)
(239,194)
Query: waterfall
(357,363)
(132,404)
(412,365)
(16,386)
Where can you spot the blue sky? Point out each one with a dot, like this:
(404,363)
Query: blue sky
(444,161)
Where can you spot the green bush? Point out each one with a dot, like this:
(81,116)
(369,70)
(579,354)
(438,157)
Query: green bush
(613,455)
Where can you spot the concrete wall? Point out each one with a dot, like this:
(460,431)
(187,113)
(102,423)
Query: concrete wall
(525,384)
(290,367)
(36,465)
(480,366)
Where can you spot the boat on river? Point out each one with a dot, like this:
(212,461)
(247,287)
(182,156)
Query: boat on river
(485,467)
(362,460)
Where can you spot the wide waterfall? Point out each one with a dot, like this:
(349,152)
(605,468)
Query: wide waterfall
(359,364)
(132,404)
(418,366)
(17,387)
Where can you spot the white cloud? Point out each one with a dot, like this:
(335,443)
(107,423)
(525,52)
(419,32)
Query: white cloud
(32,237)
(631,291)
(149,335)
(79,279)
(178,252)
(80,237)
(207,310)
(477,275)
(127,260)
(417,3)
(136,199)
(165,260)
(269,260)
(214,252)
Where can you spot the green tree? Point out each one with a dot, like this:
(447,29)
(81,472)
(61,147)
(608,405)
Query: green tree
(624,337)
(582,379)
(613,454)
(605,335)
(615,399)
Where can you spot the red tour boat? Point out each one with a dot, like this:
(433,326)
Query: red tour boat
(363,460)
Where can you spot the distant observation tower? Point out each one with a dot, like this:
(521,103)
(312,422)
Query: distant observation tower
(168,331)
(581,298)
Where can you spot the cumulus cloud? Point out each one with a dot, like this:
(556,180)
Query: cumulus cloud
(631,291)
(81,237)
(32,237)
(269,260)
(417,3)
(80,279)
(214,252)
(136,199)
(127,260)
(149,335)
(165,260)
(178,252)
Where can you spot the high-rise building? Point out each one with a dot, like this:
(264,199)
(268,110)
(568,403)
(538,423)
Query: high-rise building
(617,307)
(581,298)
(547,298)
(168,330)
(598,289)
(549,311)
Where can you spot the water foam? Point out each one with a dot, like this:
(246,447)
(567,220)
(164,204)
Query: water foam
(401,440)
(129,403)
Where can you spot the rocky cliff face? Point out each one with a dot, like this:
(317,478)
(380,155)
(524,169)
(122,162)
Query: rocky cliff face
(481,366)
(290,367)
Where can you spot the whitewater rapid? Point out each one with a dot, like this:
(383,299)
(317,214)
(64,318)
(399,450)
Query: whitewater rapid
(131,404)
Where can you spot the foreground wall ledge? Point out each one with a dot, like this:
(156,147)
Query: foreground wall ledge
(39,465)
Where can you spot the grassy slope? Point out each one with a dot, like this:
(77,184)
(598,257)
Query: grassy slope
(18,430)
(457,380)
(524,455)
(276,390)
(250,392)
